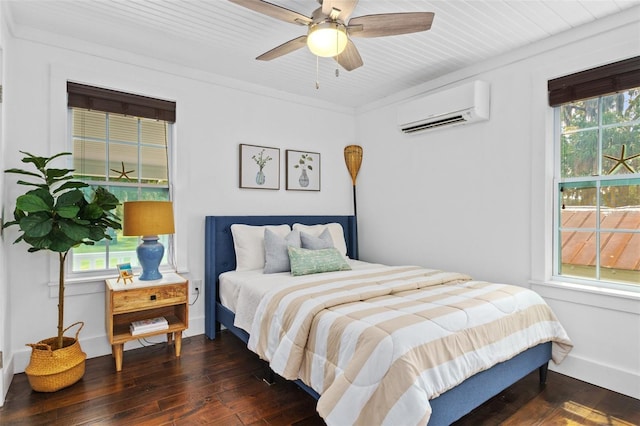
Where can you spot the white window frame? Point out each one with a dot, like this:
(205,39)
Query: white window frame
(554,253)
(60,74)
(170,266)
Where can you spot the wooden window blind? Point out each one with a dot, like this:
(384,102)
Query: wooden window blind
(107,100)
(603,80)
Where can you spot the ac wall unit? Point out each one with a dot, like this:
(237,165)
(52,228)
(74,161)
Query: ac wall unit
(462,104)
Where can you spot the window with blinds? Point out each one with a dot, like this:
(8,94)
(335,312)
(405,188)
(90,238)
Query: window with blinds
(126,153)
(597,174)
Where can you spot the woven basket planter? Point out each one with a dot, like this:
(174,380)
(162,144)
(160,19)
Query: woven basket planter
(51,370)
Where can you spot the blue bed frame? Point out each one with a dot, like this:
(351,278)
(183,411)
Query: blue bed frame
(447,408)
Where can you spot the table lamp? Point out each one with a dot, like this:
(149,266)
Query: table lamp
(148,219)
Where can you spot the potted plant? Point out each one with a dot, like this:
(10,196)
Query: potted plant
(304,163)
(55,215)
(261,160)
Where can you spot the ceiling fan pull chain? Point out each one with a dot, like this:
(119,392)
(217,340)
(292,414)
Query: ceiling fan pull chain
(317,72)
(337,50)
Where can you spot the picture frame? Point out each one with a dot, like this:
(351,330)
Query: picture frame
(303,170)
(259,167)
(125,272)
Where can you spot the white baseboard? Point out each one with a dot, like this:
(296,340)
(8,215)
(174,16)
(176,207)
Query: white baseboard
(99,345)
(605,376)
(5,380)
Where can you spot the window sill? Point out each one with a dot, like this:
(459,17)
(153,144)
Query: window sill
(606,298)
(91,284)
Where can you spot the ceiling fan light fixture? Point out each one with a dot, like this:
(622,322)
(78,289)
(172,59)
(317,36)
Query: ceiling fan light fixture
(327,39)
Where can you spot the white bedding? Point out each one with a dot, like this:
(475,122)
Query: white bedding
(241,291)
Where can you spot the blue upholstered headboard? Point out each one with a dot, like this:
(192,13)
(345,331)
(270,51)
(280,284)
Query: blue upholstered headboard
(220,255)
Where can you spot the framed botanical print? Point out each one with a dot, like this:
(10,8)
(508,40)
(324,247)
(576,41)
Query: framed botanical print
(259,167)
(303,170)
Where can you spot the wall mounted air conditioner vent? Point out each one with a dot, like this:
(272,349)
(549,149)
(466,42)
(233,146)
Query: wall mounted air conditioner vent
(435,123)
(463,104)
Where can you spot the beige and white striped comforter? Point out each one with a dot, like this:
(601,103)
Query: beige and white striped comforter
(377,345)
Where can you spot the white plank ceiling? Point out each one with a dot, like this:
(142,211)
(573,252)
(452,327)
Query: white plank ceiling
(222,38)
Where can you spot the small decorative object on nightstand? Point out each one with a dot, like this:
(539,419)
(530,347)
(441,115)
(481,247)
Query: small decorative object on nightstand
(125,272)
(146,300)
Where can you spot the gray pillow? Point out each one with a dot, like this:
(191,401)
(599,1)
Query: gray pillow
(322,241)
(275,250)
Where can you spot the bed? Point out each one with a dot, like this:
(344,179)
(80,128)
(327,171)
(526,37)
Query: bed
(446,407)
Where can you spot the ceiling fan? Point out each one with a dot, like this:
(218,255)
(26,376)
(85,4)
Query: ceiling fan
(330,29)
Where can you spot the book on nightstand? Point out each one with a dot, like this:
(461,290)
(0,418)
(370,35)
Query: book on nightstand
(148,325)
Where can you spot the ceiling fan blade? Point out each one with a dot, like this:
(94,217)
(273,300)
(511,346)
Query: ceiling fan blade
(349,59)
(274,11)
(283,49)
(344,6)
(388,24)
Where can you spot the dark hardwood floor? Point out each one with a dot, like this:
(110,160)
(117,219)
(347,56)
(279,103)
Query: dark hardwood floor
(214,382)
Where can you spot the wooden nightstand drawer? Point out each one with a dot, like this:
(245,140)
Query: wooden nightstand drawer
(149,297)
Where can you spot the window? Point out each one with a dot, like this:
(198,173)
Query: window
(118,146)
(597,177)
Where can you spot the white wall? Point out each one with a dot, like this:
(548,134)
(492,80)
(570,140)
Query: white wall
(212,120)
(476,198)
(5,371)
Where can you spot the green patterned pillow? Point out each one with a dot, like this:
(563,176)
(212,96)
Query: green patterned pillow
(304,261)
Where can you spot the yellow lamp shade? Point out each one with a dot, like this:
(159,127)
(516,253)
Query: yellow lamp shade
(327,39)
(148,218)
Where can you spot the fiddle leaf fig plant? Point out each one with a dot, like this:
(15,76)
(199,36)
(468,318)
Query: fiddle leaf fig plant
(56,215)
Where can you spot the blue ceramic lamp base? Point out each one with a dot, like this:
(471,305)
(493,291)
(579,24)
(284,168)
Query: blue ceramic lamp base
(150,254)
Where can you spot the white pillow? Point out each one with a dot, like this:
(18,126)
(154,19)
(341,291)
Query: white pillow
(248,242)
(335,229)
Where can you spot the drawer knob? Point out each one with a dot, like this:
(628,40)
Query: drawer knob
(152,297)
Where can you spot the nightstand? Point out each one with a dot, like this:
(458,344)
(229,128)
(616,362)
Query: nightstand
(139,300)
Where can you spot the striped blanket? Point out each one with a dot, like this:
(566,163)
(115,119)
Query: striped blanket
(377,345)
